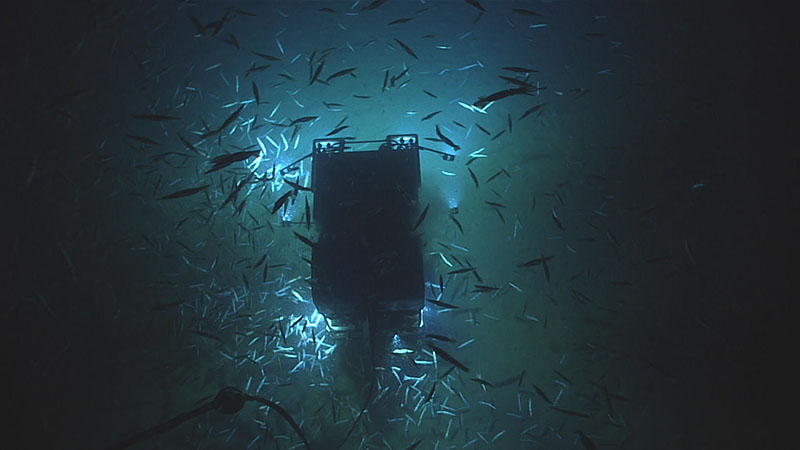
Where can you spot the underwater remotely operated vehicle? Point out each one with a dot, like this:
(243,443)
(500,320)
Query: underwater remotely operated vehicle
(367,274)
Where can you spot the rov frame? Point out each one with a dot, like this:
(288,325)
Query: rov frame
(367,273)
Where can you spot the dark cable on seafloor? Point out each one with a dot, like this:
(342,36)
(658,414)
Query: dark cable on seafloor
(371,321)
(229,400)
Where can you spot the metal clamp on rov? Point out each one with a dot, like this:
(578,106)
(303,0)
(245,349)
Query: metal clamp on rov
(403,142)
(331,145)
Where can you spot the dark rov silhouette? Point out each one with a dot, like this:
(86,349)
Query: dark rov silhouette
(367,274)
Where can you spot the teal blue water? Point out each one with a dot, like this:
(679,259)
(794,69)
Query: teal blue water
(625,165)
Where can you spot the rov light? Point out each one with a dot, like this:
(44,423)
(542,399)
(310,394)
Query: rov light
(315,318)
(286,218)
(453,203)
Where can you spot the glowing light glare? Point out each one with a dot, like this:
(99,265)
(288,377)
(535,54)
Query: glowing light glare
(452,201)
(277,181)
(253,166)
(287,217)
(315,318)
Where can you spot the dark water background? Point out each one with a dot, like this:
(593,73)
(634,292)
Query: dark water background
(661,148)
